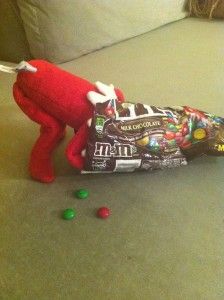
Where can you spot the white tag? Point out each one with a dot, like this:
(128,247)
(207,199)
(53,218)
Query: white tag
(22,66)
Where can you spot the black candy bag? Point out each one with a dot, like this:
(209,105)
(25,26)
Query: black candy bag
(127,137)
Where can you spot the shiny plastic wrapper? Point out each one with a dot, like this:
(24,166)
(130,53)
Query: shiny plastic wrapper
(127,137)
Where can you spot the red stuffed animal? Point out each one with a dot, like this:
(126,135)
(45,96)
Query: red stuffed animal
(122,136)
(54,98)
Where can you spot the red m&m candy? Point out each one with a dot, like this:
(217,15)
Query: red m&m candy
(178,134)
(179,139)
(169,135)
(103,212)
(170,120)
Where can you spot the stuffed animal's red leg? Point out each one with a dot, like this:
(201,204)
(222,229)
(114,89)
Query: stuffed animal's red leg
(53,97)
(51,132)
(75,147)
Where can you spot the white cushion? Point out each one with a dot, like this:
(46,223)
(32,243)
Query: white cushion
(62,30)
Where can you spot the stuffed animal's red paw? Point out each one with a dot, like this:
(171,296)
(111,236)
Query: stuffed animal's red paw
(42,171)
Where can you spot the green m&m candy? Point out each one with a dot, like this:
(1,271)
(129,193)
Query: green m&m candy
(69,214)
(82,194)
(172,127)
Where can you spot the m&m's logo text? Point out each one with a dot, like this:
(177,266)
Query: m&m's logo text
(219,147)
